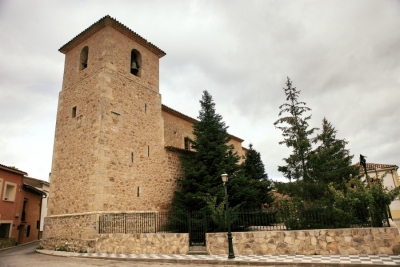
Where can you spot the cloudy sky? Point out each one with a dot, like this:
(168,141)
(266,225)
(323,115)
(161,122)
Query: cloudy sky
(344,56)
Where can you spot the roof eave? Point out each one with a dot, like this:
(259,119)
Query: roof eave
(109,21)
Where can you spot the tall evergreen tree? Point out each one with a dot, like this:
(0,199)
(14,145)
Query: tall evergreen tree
(296,134)
(256,180)
(213,156)
(331,161)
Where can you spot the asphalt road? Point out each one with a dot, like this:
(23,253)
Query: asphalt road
(25,255)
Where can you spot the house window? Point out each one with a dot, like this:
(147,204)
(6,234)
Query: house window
(9,191)
(187,143)
(5,230)
(136,63)
(73,112)
(1,186)
(23,216)
(28,230)
(83,62)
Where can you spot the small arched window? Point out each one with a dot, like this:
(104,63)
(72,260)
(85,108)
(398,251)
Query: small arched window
(136,62)
(83,62)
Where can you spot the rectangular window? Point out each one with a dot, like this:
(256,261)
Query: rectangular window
(148,151)
(28,230)
(74,112)
(5,230)
(23,216)
(187,143)
(1,186)
(10,190)
(138,191)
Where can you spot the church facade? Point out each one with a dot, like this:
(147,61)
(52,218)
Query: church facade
(116,146)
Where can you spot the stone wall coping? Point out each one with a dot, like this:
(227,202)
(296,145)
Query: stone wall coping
(101,212)
(308,230)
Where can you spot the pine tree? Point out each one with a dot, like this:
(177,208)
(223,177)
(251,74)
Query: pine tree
(331,161)
(255,181)
(296,135)
(213,156)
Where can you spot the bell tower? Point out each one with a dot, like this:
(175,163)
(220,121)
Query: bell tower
(109,141)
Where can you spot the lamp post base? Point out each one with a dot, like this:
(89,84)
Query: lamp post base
(231,255)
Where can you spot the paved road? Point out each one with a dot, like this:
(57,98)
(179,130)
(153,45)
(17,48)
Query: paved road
(26,255)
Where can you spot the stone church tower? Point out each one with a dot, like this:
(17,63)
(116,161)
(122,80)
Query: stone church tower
(116,147)
(109,147)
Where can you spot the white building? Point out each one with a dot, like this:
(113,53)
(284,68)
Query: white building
(390,181)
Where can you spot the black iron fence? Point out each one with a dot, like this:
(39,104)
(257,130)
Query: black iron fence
(270,219)
(142,222)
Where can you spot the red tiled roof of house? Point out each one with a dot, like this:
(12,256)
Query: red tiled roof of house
(12,169)
(109,21)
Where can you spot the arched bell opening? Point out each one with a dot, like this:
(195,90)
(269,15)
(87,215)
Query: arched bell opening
(83,62)
(136,63)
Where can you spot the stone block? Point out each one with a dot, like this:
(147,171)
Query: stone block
(313,241)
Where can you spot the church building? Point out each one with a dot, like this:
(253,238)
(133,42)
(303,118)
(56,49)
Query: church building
(116,146)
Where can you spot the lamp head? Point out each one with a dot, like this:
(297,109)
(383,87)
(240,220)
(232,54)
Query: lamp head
(224,177)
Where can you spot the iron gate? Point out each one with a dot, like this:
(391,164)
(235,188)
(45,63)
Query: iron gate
(197,226)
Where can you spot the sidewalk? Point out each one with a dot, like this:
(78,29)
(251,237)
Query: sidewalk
(259,260)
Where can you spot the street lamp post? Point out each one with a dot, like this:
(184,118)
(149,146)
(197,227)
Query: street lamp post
(228,218)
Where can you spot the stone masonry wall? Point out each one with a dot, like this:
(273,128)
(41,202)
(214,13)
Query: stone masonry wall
(308,242)
(71,232)
(7,242)
(149,243)
(80,233)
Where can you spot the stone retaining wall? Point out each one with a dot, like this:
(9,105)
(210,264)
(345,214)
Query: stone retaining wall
(7,242)
(150,243)
(79,233)
(351,241)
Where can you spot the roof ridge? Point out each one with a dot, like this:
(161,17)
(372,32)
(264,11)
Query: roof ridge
(112,22)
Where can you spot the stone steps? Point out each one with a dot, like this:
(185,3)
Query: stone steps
(198,250)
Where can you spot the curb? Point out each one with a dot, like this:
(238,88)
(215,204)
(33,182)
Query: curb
(204,261)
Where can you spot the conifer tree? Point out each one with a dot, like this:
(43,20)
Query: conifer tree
(331,161)
(296,134)
(256,181)
(213,156)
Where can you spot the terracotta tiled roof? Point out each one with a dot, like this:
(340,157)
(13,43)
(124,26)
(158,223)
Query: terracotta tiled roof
(36,180)
(189,119)
(178,149)
(374,166)
(109,21)
(12,169)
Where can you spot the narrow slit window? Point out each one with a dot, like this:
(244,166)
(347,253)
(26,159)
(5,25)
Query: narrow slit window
(145,108)
(132,157)
(148,151)
(73,112)
(138,191)
(84,58)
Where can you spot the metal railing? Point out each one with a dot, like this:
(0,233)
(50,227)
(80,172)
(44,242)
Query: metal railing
(269,219)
